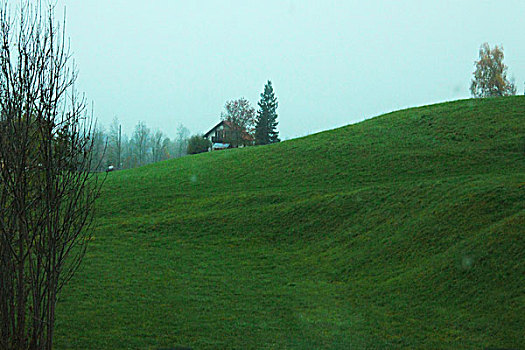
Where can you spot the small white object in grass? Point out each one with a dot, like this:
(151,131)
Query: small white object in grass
(466,263)
(193,178)
(110,168)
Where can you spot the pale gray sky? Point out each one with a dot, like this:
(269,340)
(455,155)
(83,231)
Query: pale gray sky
(332,63)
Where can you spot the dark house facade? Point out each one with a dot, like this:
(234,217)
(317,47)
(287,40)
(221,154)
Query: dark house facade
(227,135)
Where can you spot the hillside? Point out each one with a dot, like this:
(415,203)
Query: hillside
(405,230)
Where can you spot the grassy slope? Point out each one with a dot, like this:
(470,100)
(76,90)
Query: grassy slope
(405,230)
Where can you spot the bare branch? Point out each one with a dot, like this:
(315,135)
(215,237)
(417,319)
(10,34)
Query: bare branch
(47,192)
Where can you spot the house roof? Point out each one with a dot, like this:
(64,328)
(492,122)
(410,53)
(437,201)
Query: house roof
(245,135)
(215,127)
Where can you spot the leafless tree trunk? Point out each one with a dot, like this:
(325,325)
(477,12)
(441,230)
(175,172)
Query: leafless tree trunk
(141,142)
(114,145)
(156,146)
(182,140)
(159,147)
(47,193)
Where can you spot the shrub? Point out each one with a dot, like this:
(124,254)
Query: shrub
(198,144)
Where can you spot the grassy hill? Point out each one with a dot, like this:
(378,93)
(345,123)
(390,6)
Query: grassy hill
(405,230)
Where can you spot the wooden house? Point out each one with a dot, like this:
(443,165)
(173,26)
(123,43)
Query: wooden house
(227,135)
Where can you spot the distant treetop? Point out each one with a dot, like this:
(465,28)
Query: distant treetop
(490,76)
(266,120)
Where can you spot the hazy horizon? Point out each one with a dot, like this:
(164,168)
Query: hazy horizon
(331,63)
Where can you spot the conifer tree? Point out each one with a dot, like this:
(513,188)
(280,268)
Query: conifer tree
(266,120)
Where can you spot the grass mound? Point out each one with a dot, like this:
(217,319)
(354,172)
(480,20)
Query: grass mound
(406,230)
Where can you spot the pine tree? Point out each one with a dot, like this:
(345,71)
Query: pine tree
(266,120)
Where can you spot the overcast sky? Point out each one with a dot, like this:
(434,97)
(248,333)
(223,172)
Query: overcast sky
(332,63)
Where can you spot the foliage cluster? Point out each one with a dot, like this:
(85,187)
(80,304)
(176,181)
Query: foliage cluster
(198,144)
(247,127)
(241,117)
(490,76)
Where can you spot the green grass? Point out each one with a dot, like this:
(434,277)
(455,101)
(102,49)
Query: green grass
(403,231)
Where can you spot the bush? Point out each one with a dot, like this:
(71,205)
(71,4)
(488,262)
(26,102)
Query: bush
(198,144)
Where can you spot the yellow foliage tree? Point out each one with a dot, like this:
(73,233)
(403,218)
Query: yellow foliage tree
(490,76)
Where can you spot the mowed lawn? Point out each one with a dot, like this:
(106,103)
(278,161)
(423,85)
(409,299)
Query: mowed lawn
(403,231)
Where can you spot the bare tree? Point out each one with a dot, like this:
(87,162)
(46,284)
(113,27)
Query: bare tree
(159,146)
(181,142)
(99,149)
(115,143)
(140,141)
(47,193)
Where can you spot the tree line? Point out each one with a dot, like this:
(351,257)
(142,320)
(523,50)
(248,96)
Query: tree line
(144,146)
